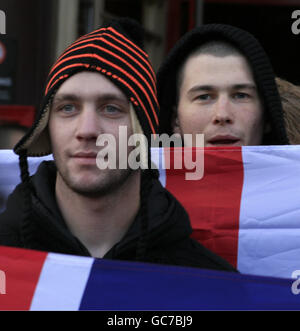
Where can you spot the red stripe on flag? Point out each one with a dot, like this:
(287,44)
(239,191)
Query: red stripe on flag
(213,203)
(22,269)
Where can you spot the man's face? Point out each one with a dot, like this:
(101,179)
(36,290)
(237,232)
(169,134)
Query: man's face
(85,106)
(218,98)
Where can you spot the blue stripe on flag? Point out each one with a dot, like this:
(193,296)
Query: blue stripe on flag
(118,285)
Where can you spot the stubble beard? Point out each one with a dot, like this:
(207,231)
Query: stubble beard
(108,181)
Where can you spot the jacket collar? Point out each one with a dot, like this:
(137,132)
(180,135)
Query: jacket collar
(168,221)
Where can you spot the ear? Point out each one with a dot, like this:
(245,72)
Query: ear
(267,128)
(175,121)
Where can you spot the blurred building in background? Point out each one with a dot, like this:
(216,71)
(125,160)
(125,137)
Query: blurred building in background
(38,30)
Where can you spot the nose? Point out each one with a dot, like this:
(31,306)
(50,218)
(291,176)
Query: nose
(88,124)
(223,113)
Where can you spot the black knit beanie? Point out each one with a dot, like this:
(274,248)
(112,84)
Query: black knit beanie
(259,62)
(115,51)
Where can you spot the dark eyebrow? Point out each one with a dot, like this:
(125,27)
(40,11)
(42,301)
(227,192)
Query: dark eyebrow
(244,86)
(208,88)
(199,88)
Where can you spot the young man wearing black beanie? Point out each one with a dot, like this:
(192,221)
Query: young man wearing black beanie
(218,81)
(103,81)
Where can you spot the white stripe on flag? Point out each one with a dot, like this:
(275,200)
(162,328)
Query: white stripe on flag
(158,158)
(62,282)
(269,232)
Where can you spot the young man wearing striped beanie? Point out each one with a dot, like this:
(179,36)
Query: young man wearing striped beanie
(103,81)
(218,81)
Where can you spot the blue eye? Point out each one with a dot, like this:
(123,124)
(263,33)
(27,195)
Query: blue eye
(204,97)
(67,108)
(241,95)
(112,110)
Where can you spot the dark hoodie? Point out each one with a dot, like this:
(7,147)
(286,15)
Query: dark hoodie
(259,62)
(168,238)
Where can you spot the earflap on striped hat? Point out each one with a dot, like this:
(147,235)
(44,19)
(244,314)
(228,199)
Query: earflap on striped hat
(140,142)
(114,51)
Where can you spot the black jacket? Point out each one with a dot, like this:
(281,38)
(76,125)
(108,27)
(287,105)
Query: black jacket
(169,239)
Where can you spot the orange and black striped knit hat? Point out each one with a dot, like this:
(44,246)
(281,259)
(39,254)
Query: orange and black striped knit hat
(115,51)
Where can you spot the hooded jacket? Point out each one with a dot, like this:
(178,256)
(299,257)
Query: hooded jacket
(257,59)
(116,52)
(168,239)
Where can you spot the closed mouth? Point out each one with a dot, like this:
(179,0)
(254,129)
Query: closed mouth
(85,155)
(224,140)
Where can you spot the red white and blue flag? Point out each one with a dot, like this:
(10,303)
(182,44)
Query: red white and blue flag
(48,281)
(246,208)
